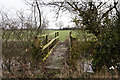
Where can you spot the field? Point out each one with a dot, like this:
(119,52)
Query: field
(26,35)
(62,33)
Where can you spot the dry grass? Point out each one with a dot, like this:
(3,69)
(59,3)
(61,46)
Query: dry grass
(18,62)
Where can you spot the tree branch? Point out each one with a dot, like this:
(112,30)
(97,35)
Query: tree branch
(39,17)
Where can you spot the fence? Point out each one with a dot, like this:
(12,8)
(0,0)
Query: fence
(72,39)
(46,44)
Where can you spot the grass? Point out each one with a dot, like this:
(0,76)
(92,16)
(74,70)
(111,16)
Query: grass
(63,34)
(19,35)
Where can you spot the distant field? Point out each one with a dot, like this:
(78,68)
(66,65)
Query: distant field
(23,35)
(29,34)
(62,33)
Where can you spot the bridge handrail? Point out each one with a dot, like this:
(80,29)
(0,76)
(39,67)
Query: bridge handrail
(48,44)
(53,33)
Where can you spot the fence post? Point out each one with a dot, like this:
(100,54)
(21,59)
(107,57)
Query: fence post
(57,33)
(46,41)
(71,39)
(55,37)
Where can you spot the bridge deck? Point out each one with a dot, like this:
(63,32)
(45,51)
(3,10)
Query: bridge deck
(57,57)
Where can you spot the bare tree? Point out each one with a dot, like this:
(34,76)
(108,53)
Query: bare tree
(45,23)
(86,13)
(40,21)
(59,24)
(39,16)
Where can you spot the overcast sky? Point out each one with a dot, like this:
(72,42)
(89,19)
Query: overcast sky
(11,6)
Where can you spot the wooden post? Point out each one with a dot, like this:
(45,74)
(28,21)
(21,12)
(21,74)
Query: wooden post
(57,35)
(43,40)
(71,39)
(46,41)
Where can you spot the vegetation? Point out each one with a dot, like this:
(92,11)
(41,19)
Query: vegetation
(94,40)
(62,33)
(23,44)
(103,51)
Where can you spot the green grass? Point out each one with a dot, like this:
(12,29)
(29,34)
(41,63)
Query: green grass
(18,35)
(63,34)
(82,35)
(23,35)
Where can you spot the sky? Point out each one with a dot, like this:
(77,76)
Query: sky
(11,6)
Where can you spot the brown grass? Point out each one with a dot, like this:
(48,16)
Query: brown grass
(18,62)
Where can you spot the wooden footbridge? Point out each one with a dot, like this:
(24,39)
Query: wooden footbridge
(46,44)
(53,51)
(56,53)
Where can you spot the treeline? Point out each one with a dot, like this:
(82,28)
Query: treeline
(73,28)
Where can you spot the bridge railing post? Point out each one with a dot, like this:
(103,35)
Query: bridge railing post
(46,41)
(55,37)
(70,39)
(46,45)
